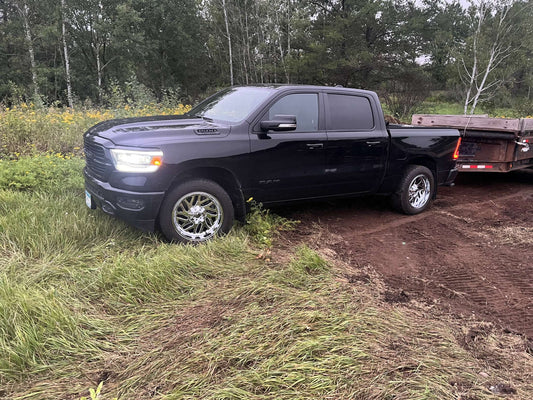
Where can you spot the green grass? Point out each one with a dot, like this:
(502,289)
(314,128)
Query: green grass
(86,299)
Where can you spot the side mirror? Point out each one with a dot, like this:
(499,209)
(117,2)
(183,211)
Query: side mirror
(280,123)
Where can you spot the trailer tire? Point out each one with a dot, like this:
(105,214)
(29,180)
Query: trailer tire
(415,191)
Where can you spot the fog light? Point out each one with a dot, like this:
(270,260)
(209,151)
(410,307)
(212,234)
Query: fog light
(130,204)
(108,208)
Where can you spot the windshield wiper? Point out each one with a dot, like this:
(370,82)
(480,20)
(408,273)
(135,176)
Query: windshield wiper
(203,117)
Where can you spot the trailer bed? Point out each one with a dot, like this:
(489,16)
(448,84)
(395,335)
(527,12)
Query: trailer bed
(487,144)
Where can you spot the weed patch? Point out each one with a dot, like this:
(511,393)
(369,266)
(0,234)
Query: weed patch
(263,226)
(51,172)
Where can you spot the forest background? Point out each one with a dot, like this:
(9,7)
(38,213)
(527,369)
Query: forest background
(115,52)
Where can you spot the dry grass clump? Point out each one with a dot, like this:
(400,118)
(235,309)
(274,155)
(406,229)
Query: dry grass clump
(515,235)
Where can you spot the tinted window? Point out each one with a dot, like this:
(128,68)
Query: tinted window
(349,113)
(304,106)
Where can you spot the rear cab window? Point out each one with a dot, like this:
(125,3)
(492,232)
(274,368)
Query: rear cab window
(349,113)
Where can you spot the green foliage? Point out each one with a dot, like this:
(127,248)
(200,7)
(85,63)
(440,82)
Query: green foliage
(130,93)
(136,51)
(524,107)
(262,225)
(95,393)
(52,172)
(66,270)
(405,92)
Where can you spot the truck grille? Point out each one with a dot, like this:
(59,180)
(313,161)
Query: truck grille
(96,161)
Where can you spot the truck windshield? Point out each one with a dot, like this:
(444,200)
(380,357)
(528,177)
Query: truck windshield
(232,105)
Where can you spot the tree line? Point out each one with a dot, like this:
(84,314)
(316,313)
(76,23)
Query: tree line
(68,52)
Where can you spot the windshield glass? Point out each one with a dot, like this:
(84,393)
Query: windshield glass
(232,105)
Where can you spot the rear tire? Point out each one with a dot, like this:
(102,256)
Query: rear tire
(195,212)
(415,191)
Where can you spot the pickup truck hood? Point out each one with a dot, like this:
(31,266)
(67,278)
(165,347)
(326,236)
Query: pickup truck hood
(151,131)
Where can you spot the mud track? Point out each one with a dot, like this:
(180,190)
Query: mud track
(471,254)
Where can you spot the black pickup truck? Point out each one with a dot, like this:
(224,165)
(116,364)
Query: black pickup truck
(190,176)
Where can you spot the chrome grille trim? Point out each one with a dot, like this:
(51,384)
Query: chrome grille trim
(96,160)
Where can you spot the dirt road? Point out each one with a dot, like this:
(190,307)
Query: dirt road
(470,254)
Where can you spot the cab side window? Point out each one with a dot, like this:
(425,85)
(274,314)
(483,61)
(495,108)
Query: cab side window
(348,112)
(303,105)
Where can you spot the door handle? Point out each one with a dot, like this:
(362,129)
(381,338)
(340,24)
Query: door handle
(373,142)
(312,146)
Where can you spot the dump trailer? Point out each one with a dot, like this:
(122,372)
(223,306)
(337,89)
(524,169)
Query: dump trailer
(487,144)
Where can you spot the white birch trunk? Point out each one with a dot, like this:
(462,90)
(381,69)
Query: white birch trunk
(229,41)
(97,47)
(25,12)
(65,53)
(261,36)
(472,75)
(99,72)
(280,47)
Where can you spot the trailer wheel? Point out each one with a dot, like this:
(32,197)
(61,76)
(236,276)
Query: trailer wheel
(196,211)
(415,191)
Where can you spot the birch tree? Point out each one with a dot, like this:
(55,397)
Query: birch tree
(490,49)
(228,36)
(91,28)
(66,54)
(24,11)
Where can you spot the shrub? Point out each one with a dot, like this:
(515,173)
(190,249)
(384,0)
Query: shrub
(51,171)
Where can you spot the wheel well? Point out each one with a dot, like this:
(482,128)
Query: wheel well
(222,177)
(426,162)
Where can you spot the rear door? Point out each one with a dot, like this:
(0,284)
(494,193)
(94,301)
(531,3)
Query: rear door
(290,165)
(356,153)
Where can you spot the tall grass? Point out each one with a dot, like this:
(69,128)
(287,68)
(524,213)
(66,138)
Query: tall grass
(25,128)
(65,270)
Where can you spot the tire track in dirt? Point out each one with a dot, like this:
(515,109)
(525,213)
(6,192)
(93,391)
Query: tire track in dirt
(413,218)
(471,254)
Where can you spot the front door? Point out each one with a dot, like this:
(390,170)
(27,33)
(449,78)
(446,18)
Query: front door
(290,165)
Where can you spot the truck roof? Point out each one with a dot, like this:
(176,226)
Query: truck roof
(283,87)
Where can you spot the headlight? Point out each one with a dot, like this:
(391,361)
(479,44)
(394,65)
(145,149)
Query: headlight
(136,161)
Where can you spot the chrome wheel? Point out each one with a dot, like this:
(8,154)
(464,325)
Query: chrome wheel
(197,216)
(419,191)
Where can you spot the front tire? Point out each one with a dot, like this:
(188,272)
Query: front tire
(196,211)
(415,191)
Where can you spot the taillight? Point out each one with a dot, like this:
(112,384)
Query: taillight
(456,152)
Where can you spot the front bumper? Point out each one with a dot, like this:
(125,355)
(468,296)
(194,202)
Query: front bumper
(139,209)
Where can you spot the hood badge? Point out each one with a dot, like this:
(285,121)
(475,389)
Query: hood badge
(207,131)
